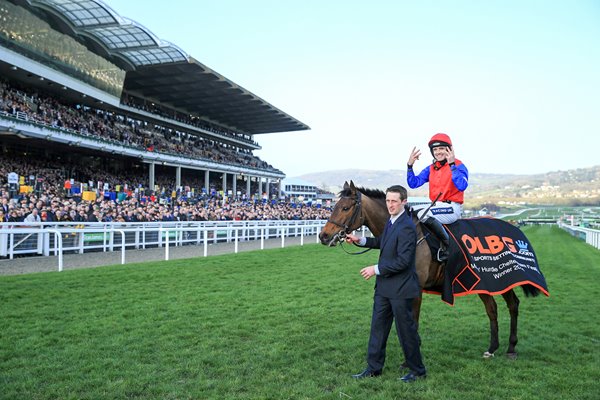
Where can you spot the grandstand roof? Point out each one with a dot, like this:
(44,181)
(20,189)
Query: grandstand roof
(201,91)
(160,71)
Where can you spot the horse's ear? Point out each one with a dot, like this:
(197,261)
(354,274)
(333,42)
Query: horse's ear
(352,185)
(346,185)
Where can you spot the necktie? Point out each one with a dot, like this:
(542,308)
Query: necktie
(387,227)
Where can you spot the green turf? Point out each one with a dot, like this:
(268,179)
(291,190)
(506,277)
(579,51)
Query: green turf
(286,324)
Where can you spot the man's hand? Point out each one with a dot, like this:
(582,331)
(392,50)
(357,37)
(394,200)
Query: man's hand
(368,272)
(414,156)
(350,238)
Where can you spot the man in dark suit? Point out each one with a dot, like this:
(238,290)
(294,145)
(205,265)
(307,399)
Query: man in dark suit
(4,206)
(396,286)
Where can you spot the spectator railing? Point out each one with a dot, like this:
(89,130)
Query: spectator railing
(591,236)
(8,237)
(48,238)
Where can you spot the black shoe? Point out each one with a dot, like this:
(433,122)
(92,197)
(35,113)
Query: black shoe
(367,373)
(413,376)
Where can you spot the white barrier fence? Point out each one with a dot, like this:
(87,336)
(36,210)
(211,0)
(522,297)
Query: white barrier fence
(45,239)
(591,236)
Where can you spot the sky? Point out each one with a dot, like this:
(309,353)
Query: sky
(515,83)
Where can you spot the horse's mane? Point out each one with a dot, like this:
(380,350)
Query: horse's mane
(372,193)
(378,195)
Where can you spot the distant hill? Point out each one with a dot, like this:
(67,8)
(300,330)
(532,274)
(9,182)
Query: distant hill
(572,187)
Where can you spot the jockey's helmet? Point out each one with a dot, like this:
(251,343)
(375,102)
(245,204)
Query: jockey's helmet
(439,140)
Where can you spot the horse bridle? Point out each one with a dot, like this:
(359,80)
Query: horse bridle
(347,228)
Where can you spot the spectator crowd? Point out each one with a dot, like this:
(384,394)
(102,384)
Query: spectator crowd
(50,182)
(124,130)
(49,201)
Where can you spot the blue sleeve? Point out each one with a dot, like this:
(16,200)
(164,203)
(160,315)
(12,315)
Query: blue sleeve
(460,177)
(415,181)
(372,242)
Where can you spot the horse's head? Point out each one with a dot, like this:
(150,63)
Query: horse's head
(345,217)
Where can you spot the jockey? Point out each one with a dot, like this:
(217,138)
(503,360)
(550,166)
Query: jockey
(448,178)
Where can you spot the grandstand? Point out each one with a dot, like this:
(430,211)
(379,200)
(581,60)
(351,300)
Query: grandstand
(100,101)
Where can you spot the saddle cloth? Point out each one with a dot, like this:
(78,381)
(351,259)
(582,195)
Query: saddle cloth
(488,255)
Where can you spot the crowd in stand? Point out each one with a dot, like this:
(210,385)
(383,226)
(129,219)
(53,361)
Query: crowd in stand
(184,118)
(122,130)
(48,208)
(121,197)
(48,201)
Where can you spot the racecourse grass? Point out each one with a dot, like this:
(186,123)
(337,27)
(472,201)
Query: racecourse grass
(286,324)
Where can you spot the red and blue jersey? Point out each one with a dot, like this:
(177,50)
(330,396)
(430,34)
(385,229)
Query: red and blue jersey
(451,182)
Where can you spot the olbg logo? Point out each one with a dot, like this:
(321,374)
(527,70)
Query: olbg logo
(490,245)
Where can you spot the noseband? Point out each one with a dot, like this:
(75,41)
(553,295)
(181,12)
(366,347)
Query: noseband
(347,228)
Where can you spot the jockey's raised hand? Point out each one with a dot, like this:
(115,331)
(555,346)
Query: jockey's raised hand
(414,156)
(448,153)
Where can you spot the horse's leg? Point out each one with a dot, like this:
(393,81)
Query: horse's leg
(417,309)
(512,302)
(491,308)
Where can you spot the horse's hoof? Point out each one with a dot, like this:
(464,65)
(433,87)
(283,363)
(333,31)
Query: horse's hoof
(511,356)
(487,354)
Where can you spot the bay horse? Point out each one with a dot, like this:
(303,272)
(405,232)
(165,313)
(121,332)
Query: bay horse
(359,206)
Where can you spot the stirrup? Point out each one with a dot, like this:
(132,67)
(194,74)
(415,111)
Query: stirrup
(442,255)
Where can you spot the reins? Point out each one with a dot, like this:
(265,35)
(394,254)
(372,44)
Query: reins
(354,254)
(431,205)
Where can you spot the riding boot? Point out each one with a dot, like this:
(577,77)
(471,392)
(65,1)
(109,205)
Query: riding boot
(440,233)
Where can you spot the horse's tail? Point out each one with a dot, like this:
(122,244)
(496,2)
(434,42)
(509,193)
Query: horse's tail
(530,290)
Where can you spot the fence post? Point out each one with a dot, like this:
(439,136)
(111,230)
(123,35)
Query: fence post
(46,250)
(236,237)
(160,236)
(205,241)
(11,248)
(317,232)
(122,246)
(104,237)
(160,232)
(59,245)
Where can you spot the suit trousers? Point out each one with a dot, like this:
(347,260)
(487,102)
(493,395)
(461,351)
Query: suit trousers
(386,310)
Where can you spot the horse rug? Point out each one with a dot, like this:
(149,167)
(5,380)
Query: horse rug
(488,255)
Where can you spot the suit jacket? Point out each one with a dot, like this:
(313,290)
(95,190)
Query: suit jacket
(397,271)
